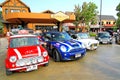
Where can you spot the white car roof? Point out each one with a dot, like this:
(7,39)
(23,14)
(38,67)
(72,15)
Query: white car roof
(27,35)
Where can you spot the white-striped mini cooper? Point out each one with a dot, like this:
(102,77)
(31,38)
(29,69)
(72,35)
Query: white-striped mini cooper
(25,53)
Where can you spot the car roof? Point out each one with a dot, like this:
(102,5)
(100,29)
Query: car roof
(15,36)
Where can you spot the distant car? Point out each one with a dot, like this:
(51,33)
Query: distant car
(62,47)
(104,37)
(40,39)
(38,35)
(71,32)
(117,38)
(89,43)
(25,53)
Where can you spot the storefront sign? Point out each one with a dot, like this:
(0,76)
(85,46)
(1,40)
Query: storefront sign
(60,16)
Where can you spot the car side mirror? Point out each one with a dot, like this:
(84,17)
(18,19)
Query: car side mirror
(74,36)
(44,44)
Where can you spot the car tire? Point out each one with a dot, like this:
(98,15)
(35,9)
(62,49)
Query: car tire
(8,72)
(56,55)
(110,42)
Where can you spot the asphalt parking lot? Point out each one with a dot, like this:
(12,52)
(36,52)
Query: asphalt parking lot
(101,64)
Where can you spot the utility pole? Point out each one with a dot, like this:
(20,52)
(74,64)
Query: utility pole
(100,14)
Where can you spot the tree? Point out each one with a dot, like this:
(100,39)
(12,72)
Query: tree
(1,25)
(118,14)
(86,14)
(78,16)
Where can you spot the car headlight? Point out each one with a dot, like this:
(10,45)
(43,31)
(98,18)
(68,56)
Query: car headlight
(110,38)
(99,39)
(13,59)
(45,54)
(63,48)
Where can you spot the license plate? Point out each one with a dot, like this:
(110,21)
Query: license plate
(32,67)
(77,55)
(104,42)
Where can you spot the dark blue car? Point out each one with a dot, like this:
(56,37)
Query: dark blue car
(62,47)
(104,37)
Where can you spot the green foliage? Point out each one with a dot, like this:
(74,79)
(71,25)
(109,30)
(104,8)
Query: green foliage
(118,22)
(92,34)
(86,13)
(114,28)
(78,15)
(1,25)
(89,12)
(118,14)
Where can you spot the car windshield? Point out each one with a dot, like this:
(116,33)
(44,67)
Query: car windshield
(61,37)
(83,35)
(104,34)
(24,41)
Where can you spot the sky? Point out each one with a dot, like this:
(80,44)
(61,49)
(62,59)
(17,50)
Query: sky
(108,6)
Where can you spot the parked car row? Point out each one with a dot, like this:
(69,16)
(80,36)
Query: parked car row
(28,52)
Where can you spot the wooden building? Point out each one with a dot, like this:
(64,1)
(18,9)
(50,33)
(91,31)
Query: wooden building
(17,14)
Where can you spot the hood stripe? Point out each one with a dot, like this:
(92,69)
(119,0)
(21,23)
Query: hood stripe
(66,44)
(39,51)
(18,54)
(69,45)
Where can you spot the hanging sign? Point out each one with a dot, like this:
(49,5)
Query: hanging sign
(60,16)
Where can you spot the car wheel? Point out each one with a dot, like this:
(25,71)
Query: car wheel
(110,42)
(8,72)
(56,55)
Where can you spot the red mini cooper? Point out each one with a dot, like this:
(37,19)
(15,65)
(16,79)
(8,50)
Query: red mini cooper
(25,53)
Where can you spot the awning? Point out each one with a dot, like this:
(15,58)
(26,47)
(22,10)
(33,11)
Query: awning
(34,18)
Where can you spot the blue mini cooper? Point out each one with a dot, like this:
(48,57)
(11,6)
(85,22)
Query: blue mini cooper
(62,47)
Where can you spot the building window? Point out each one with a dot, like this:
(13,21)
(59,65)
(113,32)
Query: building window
(6,11)
(106,22)
(23,10)
(15,10)
(109,22)
(101,23)
(47,28)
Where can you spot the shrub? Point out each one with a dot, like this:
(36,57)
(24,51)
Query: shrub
(92,34)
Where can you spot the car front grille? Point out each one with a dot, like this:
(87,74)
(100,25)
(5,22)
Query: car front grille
(77,50)
(29,61)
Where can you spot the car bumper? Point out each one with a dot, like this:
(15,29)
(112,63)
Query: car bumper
(24,68)
(74,55)
(92,46)
(105,42)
